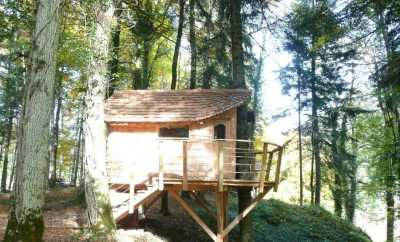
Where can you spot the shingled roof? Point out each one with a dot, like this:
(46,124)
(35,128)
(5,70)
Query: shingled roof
(157,106)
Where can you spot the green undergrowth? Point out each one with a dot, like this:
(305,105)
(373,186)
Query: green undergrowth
(278,221)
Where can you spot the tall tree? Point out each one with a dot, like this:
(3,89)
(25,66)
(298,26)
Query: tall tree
(238,81)
(114,62)
(192,42)
(178,43)
(25,221)
(313,35)
(99,210)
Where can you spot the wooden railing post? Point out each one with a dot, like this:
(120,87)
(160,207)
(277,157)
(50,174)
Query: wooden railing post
(263,167)
(131,191)
(160,169)
(269,165)
(278,169)
(184,171)
(220,165)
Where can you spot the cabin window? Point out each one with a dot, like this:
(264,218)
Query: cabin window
(174,132)
(219,131)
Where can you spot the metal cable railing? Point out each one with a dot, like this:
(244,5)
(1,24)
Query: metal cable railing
(219,160)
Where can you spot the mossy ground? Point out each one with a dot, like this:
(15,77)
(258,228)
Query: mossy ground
(278,221)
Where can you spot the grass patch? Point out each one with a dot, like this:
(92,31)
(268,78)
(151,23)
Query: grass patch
(278,221)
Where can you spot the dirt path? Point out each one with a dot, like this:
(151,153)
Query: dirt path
(63,223)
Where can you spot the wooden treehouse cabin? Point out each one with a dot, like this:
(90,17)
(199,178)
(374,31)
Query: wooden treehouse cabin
(172,141)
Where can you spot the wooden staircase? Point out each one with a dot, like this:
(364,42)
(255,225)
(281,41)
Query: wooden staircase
(125,198)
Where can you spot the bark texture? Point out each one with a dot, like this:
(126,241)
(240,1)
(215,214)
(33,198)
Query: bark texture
(25,221)
(238,81)
(98,204)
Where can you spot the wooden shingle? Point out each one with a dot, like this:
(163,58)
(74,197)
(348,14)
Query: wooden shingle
(157,106)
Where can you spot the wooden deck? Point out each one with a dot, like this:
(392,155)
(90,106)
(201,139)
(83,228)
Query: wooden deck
(255,169)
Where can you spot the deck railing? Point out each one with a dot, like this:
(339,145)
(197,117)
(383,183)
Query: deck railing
(222,161)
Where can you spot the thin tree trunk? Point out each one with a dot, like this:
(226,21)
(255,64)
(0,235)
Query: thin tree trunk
(114,62)
(238,81)
(78,158)
(206,83)
(312,193)
(193,47)
(99,210)
(145,80)
(337,156)
(315,136)
(25,221)
(390,211)
(11,181)
(54,138)
(300,146)
(81,168)
(178,43)
(6,150)
(352,176)
(221,40)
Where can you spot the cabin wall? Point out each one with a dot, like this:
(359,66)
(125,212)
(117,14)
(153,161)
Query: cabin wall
(133,150)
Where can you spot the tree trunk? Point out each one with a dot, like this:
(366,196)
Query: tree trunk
(77,154)
(390,211)
(114,62)
(10,182)
(300,145)
(99,210)
(6,149)
(312,191)
(145,79)
(178,43)
(206,84)
(55,137)
(193,47)
(315,131)
(238,81)
(352,177)
(337,156)
(25,222)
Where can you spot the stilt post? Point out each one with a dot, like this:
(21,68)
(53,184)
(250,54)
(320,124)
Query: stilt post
(220,165)
(184,158)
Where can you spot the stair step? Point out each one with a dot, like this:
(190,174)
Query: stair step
(120,200)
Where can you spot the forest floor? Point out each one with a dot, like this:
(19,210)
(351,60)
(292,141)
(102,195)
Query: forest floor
(64,219)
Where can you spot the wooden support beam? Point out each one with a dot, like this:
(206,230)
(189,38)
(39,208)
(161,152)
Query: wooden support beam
(131,190)
(184,157)
(221,200)
(193,215)
(161,170)
(203,204)
(244,213)
(278,169)
(149,202)
(263,167)
(131,197)
(220,165)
